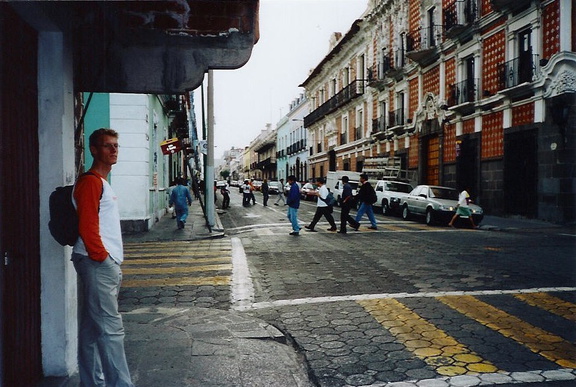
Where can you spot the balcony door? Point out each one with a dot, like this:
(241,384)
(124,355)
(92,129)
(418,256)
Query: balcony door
(525,58)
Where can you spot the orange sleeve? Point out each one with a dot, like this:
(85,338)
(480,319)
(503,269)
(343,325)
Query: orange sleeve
(87,194)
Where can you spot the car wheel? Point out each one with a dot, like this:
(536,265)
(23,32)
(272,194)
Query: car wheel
(385,207)
(405,212)
(430,217)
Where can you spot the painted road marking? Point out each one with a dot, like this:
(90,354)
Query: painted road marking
(164,261)
(544,343)
(551,304)
(174,270)
(188,281)
(185,263)
(426,341)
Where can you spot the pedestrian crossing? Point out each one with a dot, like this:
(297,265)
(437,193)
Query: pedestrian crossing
(177,263)
(484,326)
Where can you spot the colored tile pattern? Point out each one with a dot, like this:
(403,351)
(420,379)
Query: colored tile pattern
(450,75)
(413,96)
(492,136)
(449,143)
(413,152)
(523,114)
(551,29)
(494,55)
(431,81)
(468,127)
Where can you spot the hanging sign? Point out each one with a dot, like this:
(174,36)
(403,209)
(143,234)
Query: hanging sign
(203,146)
(170,146)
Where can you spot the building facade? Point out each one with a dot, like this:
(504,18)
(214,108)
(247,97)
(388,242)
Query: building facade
(473,93)
(263,148)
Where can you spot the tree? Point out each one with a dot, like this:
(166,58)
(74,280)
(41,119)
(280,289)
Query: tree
(225,173)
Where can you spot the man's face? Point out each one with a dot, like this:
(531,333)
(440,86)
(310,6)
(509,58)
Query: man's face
(106,151)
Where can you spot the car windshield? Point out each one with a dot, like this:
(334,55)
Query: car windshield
(399,187)
(444,193)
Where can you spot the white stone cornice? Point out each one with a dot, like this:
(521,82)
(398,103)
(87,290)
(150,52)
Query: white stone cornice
(559,75)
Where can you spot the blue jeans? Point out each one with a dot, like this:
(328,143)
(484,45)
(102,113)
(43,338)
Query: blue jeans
(366,208)
(293,218)
(101,356)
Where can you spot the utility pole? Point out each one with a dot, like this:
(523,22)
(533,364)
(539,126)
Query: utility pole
(209,176)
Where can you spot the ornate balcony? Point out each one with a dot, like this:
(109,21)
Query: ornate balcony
(422,44)
(517,74)
(347,94)
(459,17)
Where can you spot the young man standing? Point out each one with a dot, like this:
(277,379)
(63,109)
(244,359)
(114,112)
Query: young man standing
(97,256)
(293,201)
(322,207)
(366,196)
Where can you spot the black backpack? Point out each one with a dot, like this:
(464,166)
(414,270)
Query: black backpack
(63,222)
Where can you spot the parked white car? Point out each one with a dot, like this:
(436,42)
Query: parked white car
(390,194)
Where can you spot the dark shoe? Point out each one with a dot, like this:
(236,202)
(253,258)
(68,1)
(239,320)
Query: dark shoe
(341,232)
(373,228)
(295,233)
(275,204)
(332,229)
(308,228)
(356,228)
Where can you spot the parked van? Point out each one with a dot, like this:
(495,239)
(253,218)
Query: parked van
(334,182)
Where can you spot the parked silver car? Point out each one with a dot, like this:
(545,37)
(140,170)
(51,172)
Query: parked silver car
(436,204)
(390,194)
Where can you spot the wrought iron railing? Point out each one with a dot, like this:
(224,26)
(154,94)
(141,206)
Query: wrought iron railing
(463,92)
(396,118)
(358,132)
(519,70)
(353,90)
(460,12)
(384,66)
(424,38)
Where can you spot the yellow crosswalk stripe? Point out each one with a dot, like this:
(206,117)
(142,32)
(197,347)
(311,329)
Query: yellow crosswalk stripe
(178,263)
(544,343)
(174,270)
(166,261)
(188,281)
(550,303)
(428,342)
(159,254)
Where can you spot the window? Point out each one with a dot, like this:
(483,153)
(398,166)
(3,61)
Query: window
(359,125)
(344,131)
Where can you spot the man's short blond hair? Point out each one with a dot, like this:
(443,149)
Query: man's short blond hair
(98,134)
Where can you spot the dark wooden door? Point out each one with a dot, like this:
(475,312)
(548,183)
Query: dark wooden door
(20,349)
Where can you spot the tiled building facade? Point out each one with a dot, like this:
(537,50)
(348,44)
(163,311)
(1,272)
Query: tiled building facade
(463,93)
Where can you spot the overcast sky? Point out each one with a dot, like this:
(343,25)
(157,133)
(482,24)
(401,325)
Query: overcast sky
(294,38)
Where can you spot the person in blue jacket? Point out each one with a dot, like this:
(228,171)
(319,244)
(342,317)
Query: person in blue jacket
(293,201)
(180,198)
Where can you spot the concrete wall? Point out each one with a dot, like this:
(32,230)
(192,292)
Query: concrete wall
(56,138)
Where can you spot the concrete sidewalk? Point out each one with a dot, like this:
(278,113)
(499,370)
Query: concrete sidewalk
(190,346)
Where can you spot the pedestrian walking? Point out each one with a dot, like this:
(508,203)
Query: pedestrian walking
(246,193)
(346,205)
(252,189)
(169,192)
(462,209)
(280,194)
(293,201)
(225,192)
(322,208)
(366,196)
(181,199)
(97,256)
(265,192)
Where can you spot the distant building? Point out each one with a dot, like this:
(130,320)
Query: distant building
(263,164)
(291,141)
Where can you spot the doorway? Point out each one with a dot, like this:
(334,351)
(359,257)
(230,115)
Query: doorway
(521,173)
(20,350)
